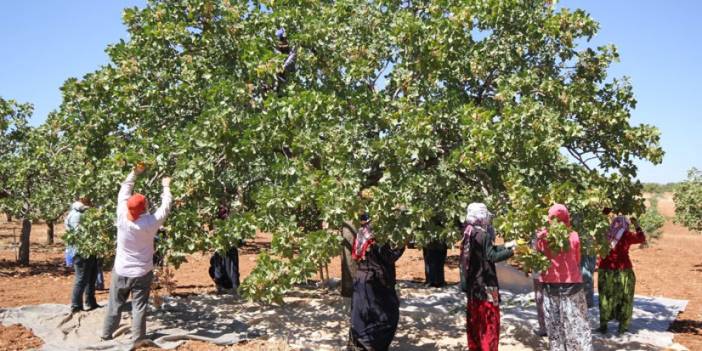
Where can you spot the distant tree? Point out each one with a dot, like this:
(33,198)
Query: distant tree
(13,130)
(652,188)
(651,220)
(59,157)
(34,170)
(659,188)
(688,201)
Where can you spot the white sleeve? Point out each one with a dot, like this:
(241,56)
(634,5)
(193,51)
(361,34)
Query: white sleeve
(165,208)
(125,191)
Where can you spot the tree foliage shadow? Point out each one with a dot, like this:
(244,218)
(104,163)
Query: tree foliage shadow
(53,266)
(655,310)
(319,317)
(204,315)
(611,345)
(686,326)
(196,286)
(452,261)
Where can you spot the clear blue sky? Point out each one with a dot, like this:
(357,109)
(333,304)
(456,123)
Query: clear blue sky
(660,42)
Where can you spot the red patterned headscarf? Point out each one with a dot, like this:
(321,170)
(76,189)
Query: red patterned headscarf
(364,239)
(619,226)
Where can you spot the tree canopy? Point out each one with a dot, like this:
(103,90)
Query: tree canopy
(406,109)
(36,169)
(13,129)
(688,201)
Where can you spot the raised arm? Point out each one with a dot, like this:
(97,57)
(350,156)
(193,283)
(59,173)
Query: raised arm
(125,191)
(391,254)
(165,208)
(639,237)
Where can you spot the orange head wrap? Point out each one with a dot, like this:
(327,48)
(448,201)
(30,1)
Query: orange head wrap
(136,205)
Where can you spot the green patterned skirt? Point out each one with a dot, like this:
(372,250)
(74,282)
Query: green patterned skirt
(616,288)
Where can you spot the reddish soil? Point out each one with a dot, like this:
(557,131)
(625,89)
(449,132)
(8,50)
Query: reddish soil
(670,267)
(17,337)
(256,345)
(45,280)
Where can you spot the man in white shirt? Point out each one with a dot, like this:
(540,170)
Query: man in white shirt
(133,270)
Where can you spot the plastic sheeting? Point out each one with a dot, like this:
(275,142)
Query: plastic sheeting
(430,319)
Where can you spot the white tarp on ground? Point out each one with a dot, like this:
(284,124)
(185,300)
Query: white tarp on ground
(431,319)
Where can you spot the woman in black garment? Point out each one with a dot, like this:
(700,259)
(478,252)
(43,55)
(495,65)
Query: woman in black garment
(375,309)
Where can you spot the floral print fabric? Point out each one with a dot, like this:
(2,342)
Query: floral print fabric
(566,320)
(482,325)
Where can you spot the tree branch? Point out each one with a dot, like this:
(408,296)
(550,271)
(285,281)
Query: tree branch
(372,85)
(579,157)
(484,86)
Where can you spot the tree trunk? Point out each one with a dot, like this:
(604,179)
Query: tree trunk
(8,217)
(24,242)
(348,264)
(50,232)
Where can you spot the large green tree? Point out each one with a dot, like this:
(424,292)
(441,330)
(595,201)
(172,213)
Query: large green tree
(407,109)
(35,168)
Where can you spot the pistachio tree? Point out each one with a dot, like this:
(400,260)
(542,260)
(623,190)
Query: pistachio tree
(34,171)
(13,130)
(15,133)
(408,110)
(688,201)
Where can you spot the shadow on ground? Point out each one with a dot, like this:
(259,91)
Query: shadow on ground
(52,267)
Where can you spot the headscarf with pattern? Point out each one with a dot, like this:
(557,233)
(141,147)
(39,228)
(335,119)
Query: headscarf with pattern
(477,215)
(619,226)
(364,239)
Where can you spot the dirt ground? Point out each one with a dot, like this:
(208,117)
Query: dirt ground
(670,267)
(256,345)
(17,337)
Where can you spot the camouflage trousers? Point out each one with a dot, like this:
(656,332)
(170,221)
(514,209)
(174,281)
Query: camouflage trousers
(616,288)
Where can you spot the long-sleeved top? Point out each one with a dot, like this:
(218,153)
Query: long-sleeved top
(135,240)
(480,279)
(378,266)
(565,265)
(72,221)
(618,257)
